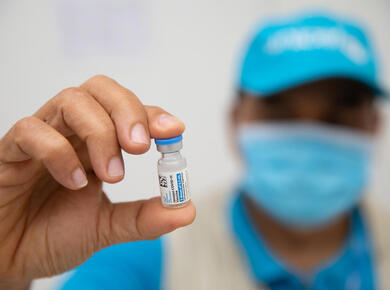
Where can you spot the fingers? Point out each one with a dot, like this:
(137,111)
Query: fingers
(108,117)
(143,220)
(78,112)
(162,124)
(135,123)
(125,109)
(153,220)
(33,138)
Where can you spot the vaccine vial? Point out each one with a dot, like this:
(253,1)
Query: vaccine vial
(172,173)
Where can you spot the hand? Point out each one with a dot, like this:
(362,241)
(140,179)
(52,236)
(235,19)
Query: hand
(53,212)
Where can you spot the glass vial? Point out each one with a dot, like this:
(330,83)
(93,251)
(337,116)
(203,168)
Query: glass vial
(172,173)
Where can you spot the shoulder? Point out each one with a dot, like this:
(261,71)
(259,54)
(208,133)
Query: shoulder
(212,213)
(377,216)
(136,265)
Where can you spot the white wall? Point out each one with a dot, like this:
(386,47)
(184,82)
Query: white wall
(177,54)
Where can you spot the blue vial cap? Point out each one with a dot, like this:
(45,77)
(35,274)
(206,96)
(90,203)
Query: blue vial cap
(168,141)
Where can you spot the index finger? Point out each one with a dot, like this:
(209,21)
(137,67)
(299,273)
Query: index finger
(125,109)
(135,123)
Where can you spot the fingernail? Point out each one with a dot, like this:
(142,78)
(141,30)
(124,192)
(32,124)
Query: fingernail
(138,134)
(79,178)
(115,167)
(167,120)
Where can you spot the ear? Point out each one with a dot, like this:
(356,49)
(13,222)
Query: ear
(235,110)
(233,125)
(233,115)
(376,120)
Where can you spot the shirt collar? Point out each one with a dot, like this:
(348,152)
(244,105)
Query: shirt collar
(267,268)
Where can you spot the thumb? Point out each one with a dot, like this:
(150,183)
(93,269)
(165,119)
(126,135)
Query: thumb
(142,220)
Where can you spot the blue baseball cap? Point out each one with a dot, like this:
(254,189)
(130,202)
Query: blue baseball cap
(293,51)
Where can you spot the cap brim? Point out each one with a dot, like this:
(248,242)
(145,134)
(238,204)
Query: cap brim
(378,90)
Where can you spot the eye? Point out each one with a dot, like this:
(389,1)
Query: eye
(352,99)
(349,100)
(277,107)
(274,100)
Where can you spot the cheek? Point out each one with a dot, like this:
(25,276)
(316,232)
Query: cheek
(372,121)
(365,119)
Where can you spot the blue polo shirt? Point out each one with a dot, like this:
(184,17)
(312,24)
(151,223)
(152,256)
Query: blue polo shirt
(351,268)
(138,265)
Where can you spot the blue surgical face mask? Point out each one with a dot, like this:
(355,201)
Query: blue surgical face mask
(304,174)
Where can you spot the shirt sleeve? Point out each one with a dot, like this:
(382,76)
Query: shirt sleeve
(135,265)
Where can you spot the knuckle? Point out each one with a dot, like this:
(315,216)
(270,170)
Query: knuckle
(24,125)
(71,94)
(70,98)
(98,78)
(156,109)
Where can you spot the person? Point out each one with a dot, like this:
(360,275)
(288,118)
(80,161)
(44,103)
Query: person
(304,120)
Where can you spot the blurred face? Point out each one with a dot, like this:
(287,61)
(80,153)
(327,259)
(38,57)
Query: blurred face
(307,173)
(339,102)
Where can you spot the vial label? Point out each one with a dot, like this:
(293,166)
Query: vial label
(174,187)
